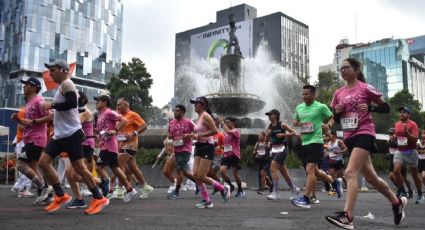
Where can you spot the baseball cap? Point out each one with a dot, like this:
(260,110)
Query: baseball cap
(406,109)
(106,98)
(202,100)
(32,81)
(59,63)
(391,130)
(273,111)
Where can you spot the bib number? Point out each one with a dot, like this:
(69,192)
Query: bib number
(402,141)
(306,127)
(350,121)
(278,148)
(178,142)
(121,137)
(228,148)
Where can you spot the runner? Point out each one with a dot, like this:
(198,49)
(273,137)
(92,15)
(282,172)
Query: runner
(68,137)
(86,119)
(262,153)
(421,164)
(177,129)
(352,108)
(34,136)
(392,144)
(309,117)
(204,153)
(232,154)
(108,125)
(278,132)
(407,133)
(336,149)
(219,148)
(128,139)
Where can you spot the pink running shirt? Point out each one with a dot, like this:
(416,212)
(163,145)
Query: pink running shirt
(176,130)
(232,142)
(107,121)
(36,134)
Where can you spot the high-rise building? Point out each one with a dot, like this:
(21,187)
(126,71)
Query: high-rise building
(287,39)
(34,32)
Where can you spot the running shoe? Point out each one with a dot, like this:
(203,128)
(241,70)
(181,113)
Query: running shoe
(74,204)
(145,191)
(260,191)
(15,188)
(274,196)
(104,186)
(25,193)
(173,196)
(314,200)
(171,188)
(96,206)
(120,191)
(341,220)
(332,193)
(204,204)
(364,189)
(129,195)
(240,194)
(301,202)
(398,210)
(225,194)
(58,202)
(85,192)
(420,199)
(295,192)
(402,194)
(41,200)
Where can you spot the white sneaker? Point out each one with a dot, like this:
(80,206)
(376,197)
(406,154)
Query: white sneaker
(85,192)
(146,190)
(25,193)
(171,189)
(44,195)
(129,195)
(112,195)
(295,192)
(274,196)
(15,188)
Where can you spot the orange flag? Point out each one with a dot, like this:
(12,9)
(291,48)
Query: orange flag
(48,81)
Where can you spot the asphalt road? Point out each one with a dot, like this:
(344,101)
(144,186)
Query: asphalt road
(158,212)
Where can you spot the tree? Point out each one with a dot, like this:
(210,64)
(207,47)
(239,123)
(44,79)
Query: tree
(328,83)
(133,83)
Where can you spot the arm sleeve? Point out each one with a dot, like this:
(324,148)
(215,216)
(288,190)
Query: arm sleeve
(69,103)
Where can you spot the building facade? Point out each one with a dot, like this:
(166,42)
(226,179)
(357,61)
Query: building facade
(34,32)
(286,37)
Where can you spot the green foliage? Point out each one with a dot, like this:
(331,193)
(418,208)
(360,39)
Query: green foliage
(328,83)
(133,83)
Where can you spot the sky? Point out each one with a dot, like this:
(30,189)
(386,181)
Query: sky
(150,26)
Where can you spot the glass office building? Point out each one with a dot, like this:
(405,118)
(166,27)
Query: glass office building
(385,64)
(34,32)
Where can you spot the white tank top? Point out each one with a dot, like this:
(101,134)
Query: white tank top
(333,151)
(66,122)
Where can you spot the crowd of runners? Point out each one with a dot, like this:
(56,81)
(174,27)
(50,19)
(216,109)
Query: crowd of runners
(98,149)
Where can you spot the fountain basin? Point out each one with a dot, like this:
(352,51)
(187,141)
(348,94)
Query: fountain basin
(234,104)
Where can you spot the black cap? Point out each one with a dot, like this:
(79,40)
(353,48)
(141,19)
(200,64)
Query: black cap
(59,63)
(106,98)
(202,100)
(273,111)
(405,109)
(32,81)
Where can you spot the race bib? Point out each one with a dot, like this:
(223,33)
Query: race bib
(178,142)
(350,121)
(421,155)
(261,152)
(332,154)
(227,148)
(402,141)
(278,148)
(306,127)
(121,137)
(393,151)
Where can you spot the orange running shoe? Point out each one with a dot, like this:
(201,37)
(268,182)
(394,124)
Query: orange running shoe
(96,206)
(58,202)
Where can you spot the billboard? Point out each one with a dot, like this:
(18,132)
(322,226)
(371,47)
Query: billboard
(213,42)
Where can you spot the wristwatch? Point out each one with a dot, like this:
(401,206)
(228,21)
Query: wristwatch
(136,133)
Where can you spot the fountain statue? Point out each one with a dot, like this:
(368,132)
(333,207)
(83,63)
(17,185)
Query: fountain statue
(232,98)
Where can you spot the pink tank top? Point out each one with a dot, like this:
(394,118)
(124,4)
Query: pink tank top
(88,130)
(201,128)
